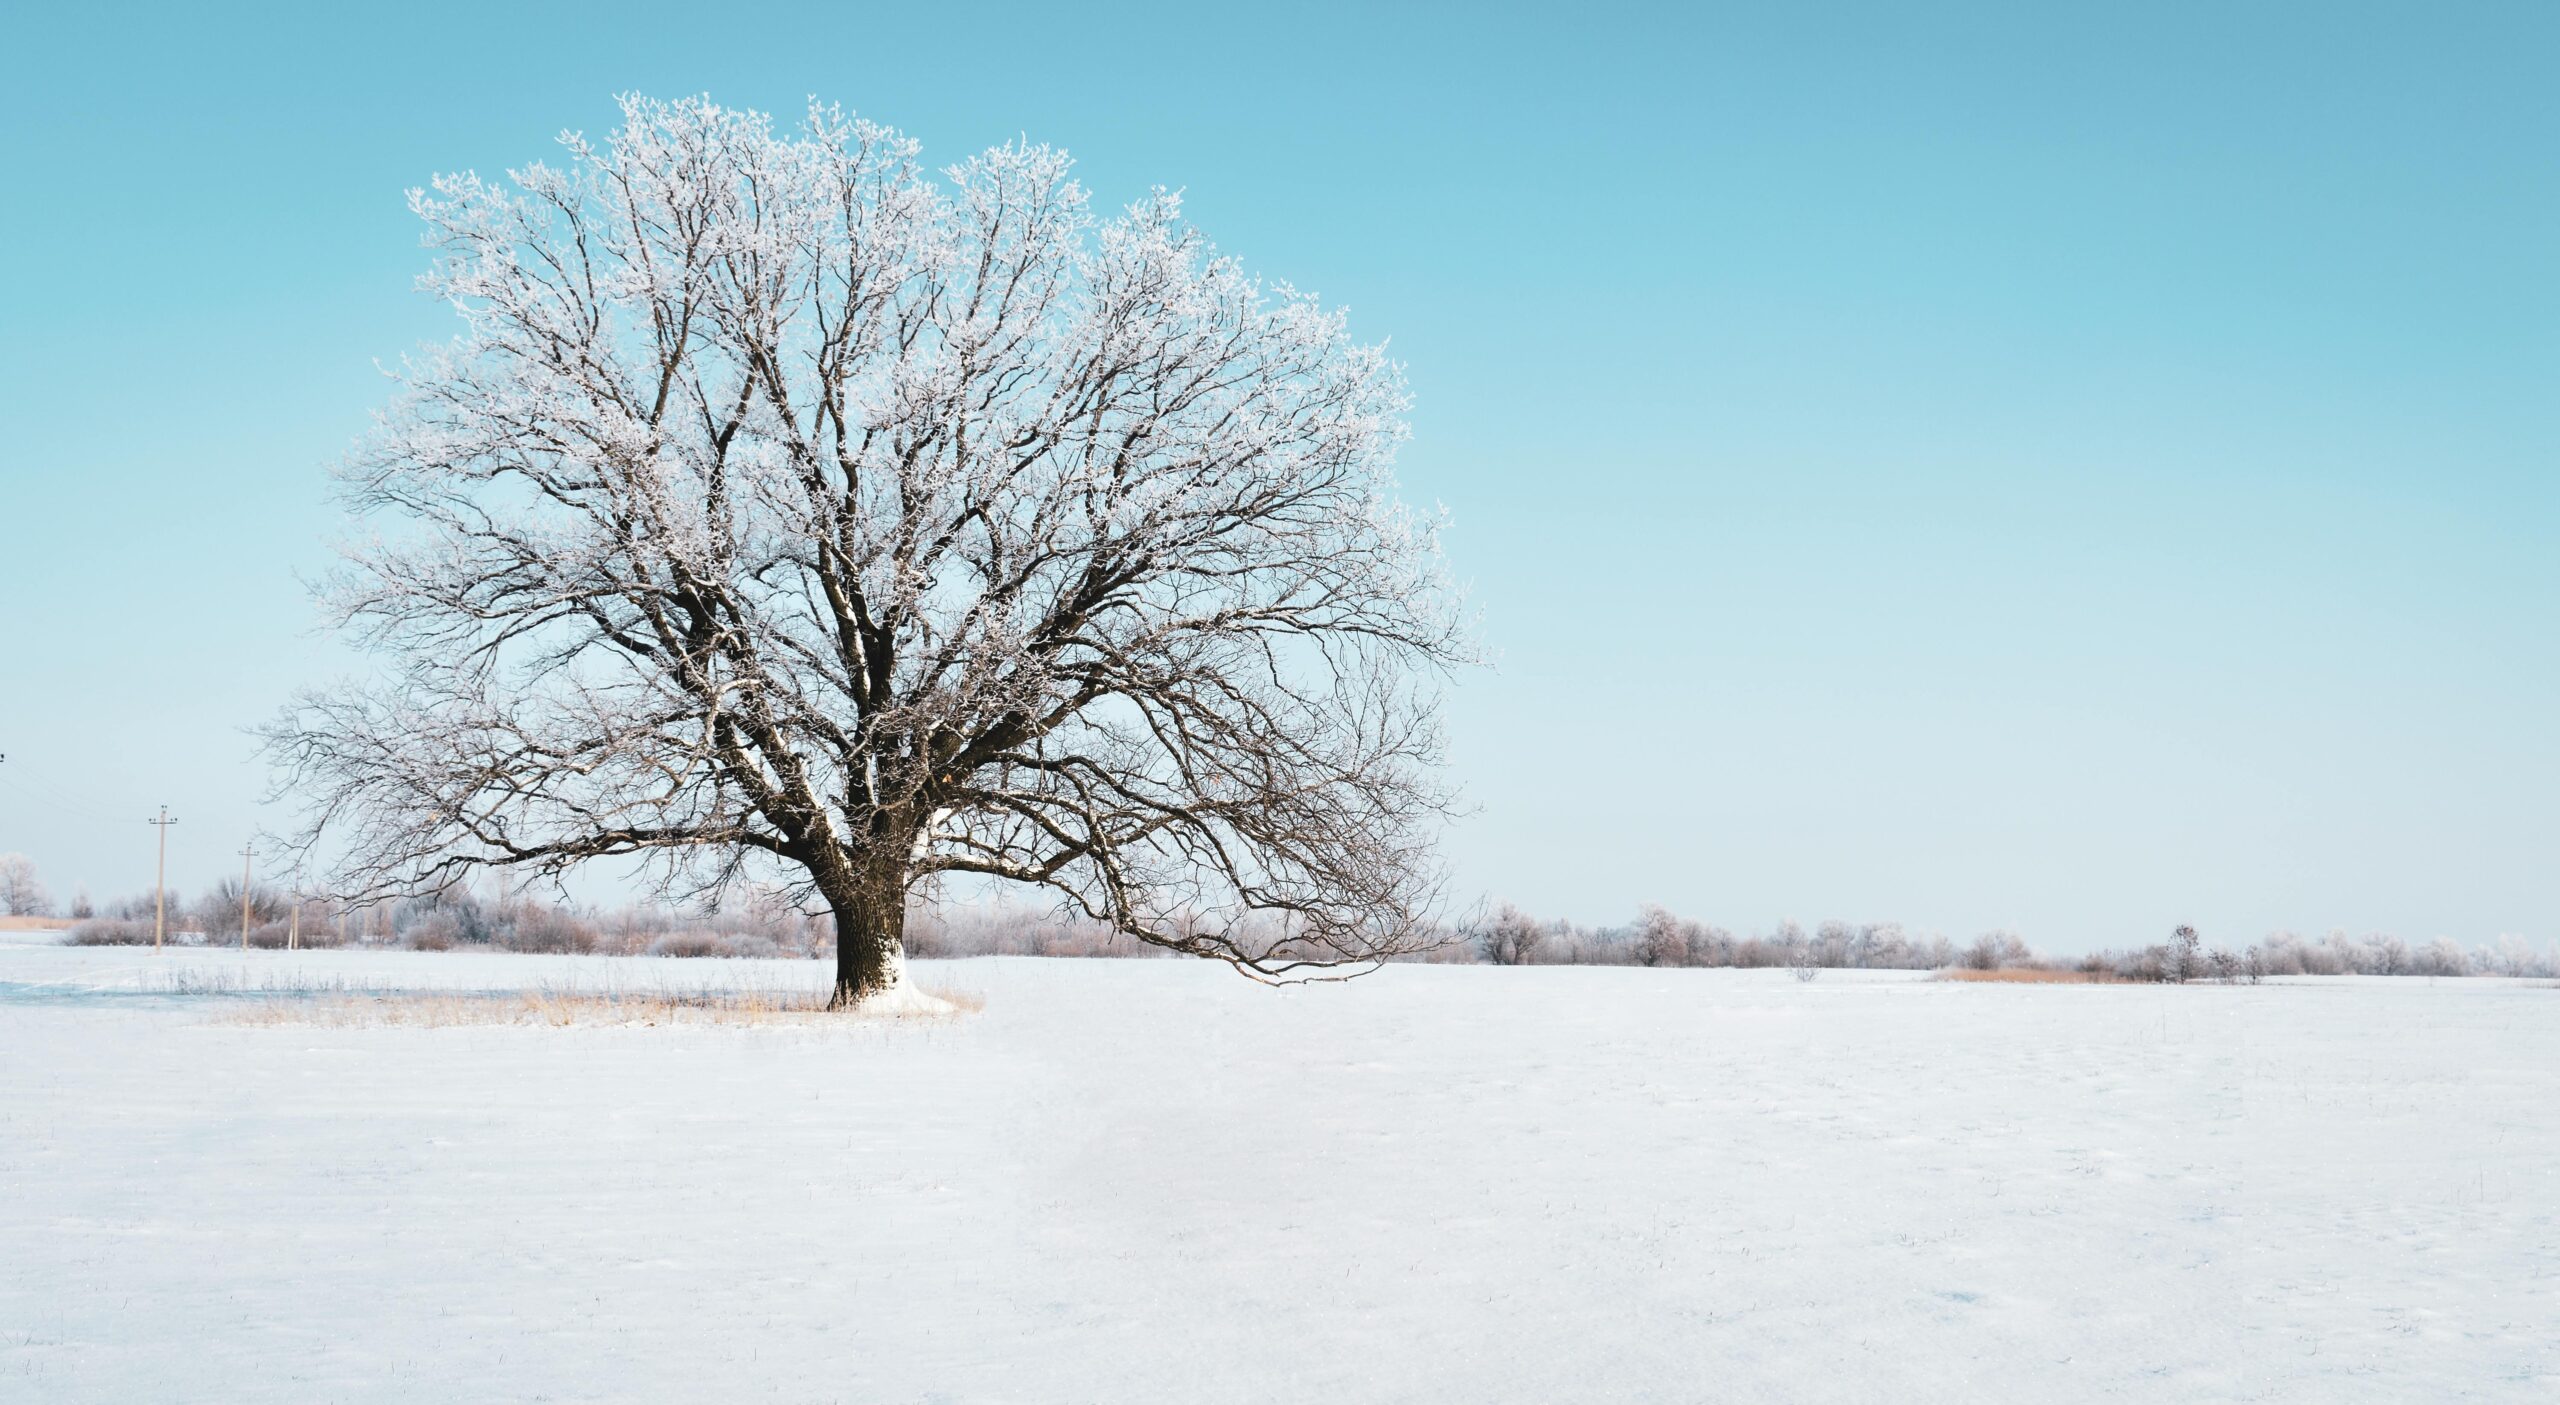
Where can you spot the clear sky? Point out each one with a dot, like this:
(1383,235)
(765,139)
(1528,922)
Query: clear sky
(1996,466)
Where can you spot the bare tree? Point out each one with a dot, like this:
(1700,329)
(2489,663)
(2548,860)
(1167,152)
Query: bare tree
(1509,937)
(2186,954)
(21,895)
(1997,950)
(1661,938)
(781,505)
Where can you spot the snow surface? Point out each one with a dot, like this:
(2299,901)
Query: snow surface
(1154,1181)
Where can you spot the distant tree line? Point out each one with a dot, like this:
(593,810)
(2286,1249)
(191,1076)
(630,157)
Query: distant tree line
(457,918)
(1510,937)
(461,918)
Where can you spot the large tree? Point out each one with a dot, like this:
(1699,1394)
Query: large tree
(782,504)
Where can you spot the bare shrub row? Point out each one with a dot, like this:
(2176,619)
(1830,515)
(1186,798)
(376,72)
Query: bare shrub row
(461,919)
(1509,937)
(767,925)
(1658,937)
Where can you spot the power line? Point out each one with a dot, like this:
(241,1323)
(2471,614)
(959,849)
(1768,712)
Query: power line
(43,795)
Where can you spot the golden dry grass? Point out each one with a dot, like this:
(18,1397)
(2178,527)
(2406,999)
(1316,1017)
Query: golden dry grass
(36,924)
(2021,976)
(563,1009)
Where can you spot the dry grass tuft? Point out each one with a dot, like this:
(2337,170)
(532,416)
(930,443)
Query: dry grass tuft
(36,924)
(560,1009)
(2023,975)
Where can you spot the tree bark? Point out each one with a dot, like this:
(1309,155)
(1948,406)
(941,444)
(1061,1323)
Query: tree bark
(871,949)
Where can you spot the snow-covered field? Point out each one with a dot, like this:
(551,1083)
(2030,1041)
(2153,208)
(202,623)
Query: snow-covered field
(1153,1181)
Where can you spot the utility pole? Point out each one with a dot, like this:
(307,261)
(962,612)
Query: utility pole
(248,851)
(160,881)
(293,930)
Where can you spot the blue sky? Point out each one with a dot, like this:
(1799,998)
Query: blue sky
(1977,467)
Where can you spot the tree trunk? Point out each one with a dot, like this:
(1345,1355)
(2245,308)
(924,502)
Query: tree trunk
(871,949)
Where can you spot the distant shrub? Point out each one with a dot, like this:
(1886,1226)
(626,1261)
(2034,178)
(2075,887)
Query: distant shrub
(434,933)
(707,943)
(548,929)
(111,931)
(687,944)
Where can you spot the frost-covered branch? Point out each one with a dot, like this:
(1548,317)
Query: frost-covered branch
(781,498)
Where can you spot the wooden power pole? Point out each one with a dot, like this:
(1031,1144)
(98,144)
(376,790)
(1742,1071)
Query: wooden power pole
(160,881)
(247,852)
